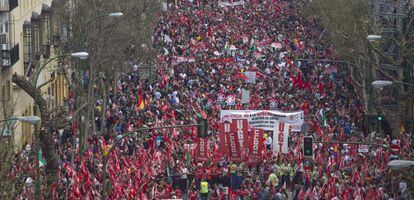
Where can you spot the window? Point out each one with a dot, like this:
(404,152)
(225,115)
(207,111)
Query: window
(36,36)
(27,46)
(46,30)
(6,93)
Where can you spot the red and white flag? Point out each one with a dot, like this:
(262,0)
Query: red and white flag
(234,146)
(223,130)
(273,103)
(202,148)
(240,126)
(256,143)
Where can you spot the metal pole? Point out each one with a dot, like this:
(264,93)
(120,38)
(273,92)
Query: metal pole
(37,125)
(412,107)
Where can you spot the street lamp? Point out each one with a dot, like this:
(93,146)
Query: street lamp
(382,83)
(116,14)
(82,39)
(27,119)
(80,55)
(112,15)
(373,37)
(400,164)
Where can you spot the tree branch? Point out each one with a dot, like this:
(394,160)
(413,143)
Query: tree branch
(47,82)
(29,88)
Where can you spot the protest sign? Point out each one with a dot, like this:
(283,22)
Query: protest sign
(256,143)
(234,146)
(221,97)
(224,4)
(202,148)
(231,100)
(245,96)
(363,149)
(224,129)
(240,127)
(280,138)
(265,119)
(251,77)
(273,103)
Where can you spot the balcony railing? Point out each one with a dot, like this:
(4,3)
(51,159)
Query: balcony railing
(14,54)
(13,4)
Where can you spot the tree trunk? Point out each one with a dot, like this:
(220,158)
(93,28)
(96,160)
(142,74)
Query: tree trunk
(365,96)
(50,123)
(52,166)
(88,114)
(105,102)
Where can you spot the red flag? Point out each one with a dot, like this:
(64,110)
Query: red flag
(140,100)
(223,130)
(256,143)
(202,148)
(301,195)
(240,127)
(234,146)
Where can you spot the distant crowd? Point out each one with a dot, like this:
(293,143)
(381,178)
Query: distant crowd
(202,48)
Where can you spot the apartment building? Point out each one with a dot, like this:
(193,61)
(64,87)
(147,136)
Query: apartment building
(30,34)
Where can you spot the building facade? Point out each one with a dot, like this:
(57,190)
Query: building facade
(28,34)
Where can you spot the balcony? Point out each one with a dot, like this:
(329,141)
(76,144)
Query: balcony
(13,4)
(14,54)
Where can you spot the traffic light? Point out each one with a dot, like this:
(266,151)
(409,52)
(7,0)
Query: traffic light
(308,146)
(202,127)
(379,122)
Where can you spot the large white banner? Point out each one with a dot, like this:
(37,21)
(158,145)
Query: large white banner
(280,138)
(265,119)
(223,4)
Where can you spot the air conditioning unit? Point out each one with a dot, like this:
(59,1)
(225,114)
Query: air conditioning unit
(5,47)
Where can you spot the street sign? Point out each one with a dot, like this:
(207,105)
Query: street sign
(363,148)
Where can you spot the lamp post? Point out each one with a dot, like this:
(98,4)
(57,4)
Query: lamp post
(26,119)
(82,42)
(87,23)
(80,55)
(373,38)
(400,164)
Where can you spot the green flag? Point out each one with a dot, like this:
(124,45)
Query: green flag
(322,113)
(42,162)
(188,156)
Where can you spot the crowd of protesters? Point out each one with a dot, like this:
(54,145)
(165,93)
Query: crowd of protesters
(202,48)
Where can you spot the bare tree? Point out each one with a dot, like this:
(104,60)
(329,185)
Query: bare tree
(11,181)
(349,22)
(106,40)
